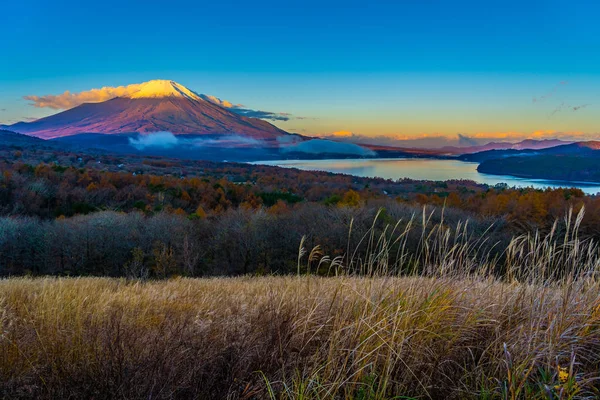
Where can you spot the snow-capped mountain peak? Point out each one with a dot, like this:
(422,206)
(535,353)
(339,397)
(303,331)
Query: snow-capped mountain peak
(162,88)
(153,106)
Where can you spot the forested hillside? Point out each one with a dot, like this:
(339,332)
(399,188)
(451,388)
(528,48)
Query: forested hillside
(554,167)
(81,213)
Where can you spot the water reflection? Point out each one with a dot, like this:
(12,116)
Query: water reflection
(424,169)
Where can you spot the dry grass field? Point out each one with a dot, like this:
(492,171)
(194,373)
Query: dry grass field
(299,338)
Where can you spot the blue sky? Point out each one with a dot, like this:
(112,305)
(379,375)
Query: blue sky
(399,68)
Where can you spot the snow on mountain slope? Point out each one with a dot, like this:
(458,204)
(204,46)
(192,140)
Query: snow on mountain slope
(162,88)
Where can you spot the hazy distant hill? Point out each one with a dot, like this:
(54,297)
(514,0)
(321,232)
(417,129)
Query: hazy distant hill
(495,154)
(9,138)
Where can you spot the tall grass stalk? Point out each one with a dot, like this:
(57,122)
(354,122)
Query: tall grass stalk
(459,252)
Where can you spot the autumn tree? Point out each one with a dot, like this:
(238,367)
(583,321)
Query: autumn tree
(350,199)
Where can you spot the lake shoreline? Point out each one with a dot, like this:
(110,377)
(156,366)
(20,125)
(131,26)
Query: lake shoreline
(430,169)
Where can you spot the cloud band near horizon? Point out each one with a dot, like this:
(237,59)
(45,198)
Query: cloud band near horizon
(434,140)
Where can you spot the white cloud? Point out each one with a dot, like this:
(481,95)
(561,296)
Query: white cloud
(164,140)
(318,146)
(68,100)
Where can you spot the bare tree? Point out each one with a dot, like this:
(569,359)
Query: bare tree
(164,258)
(136,269)
(191,256)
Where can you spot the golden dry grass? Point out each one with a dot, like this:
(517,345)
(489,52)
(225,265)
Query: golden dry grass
(299,338)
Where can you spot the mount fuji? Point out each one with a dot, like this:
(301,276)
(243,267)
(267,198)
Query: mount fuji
(154,106)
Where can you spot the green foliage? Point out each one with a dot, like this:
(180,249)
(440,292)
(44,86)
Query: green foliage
(271,198)
(59,168)
(367,388)
(155,188)
(83,208)
(332,200)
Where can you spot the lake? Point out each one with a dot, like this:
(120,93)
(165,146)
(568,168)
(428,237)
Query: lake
(423,169)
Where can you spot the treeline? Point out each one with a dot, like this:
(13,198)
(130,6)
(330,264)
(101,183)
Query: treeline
(526,210)
(52,191)
(238,241)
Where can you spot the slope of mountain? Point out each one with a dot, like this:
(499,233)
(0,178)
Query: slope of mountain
(156,106)
(582,148)
(539,144)
(9,138)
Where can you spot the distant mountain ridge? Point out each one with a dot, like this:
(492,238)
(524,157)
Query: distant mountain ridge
(588,149)
(527,144)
